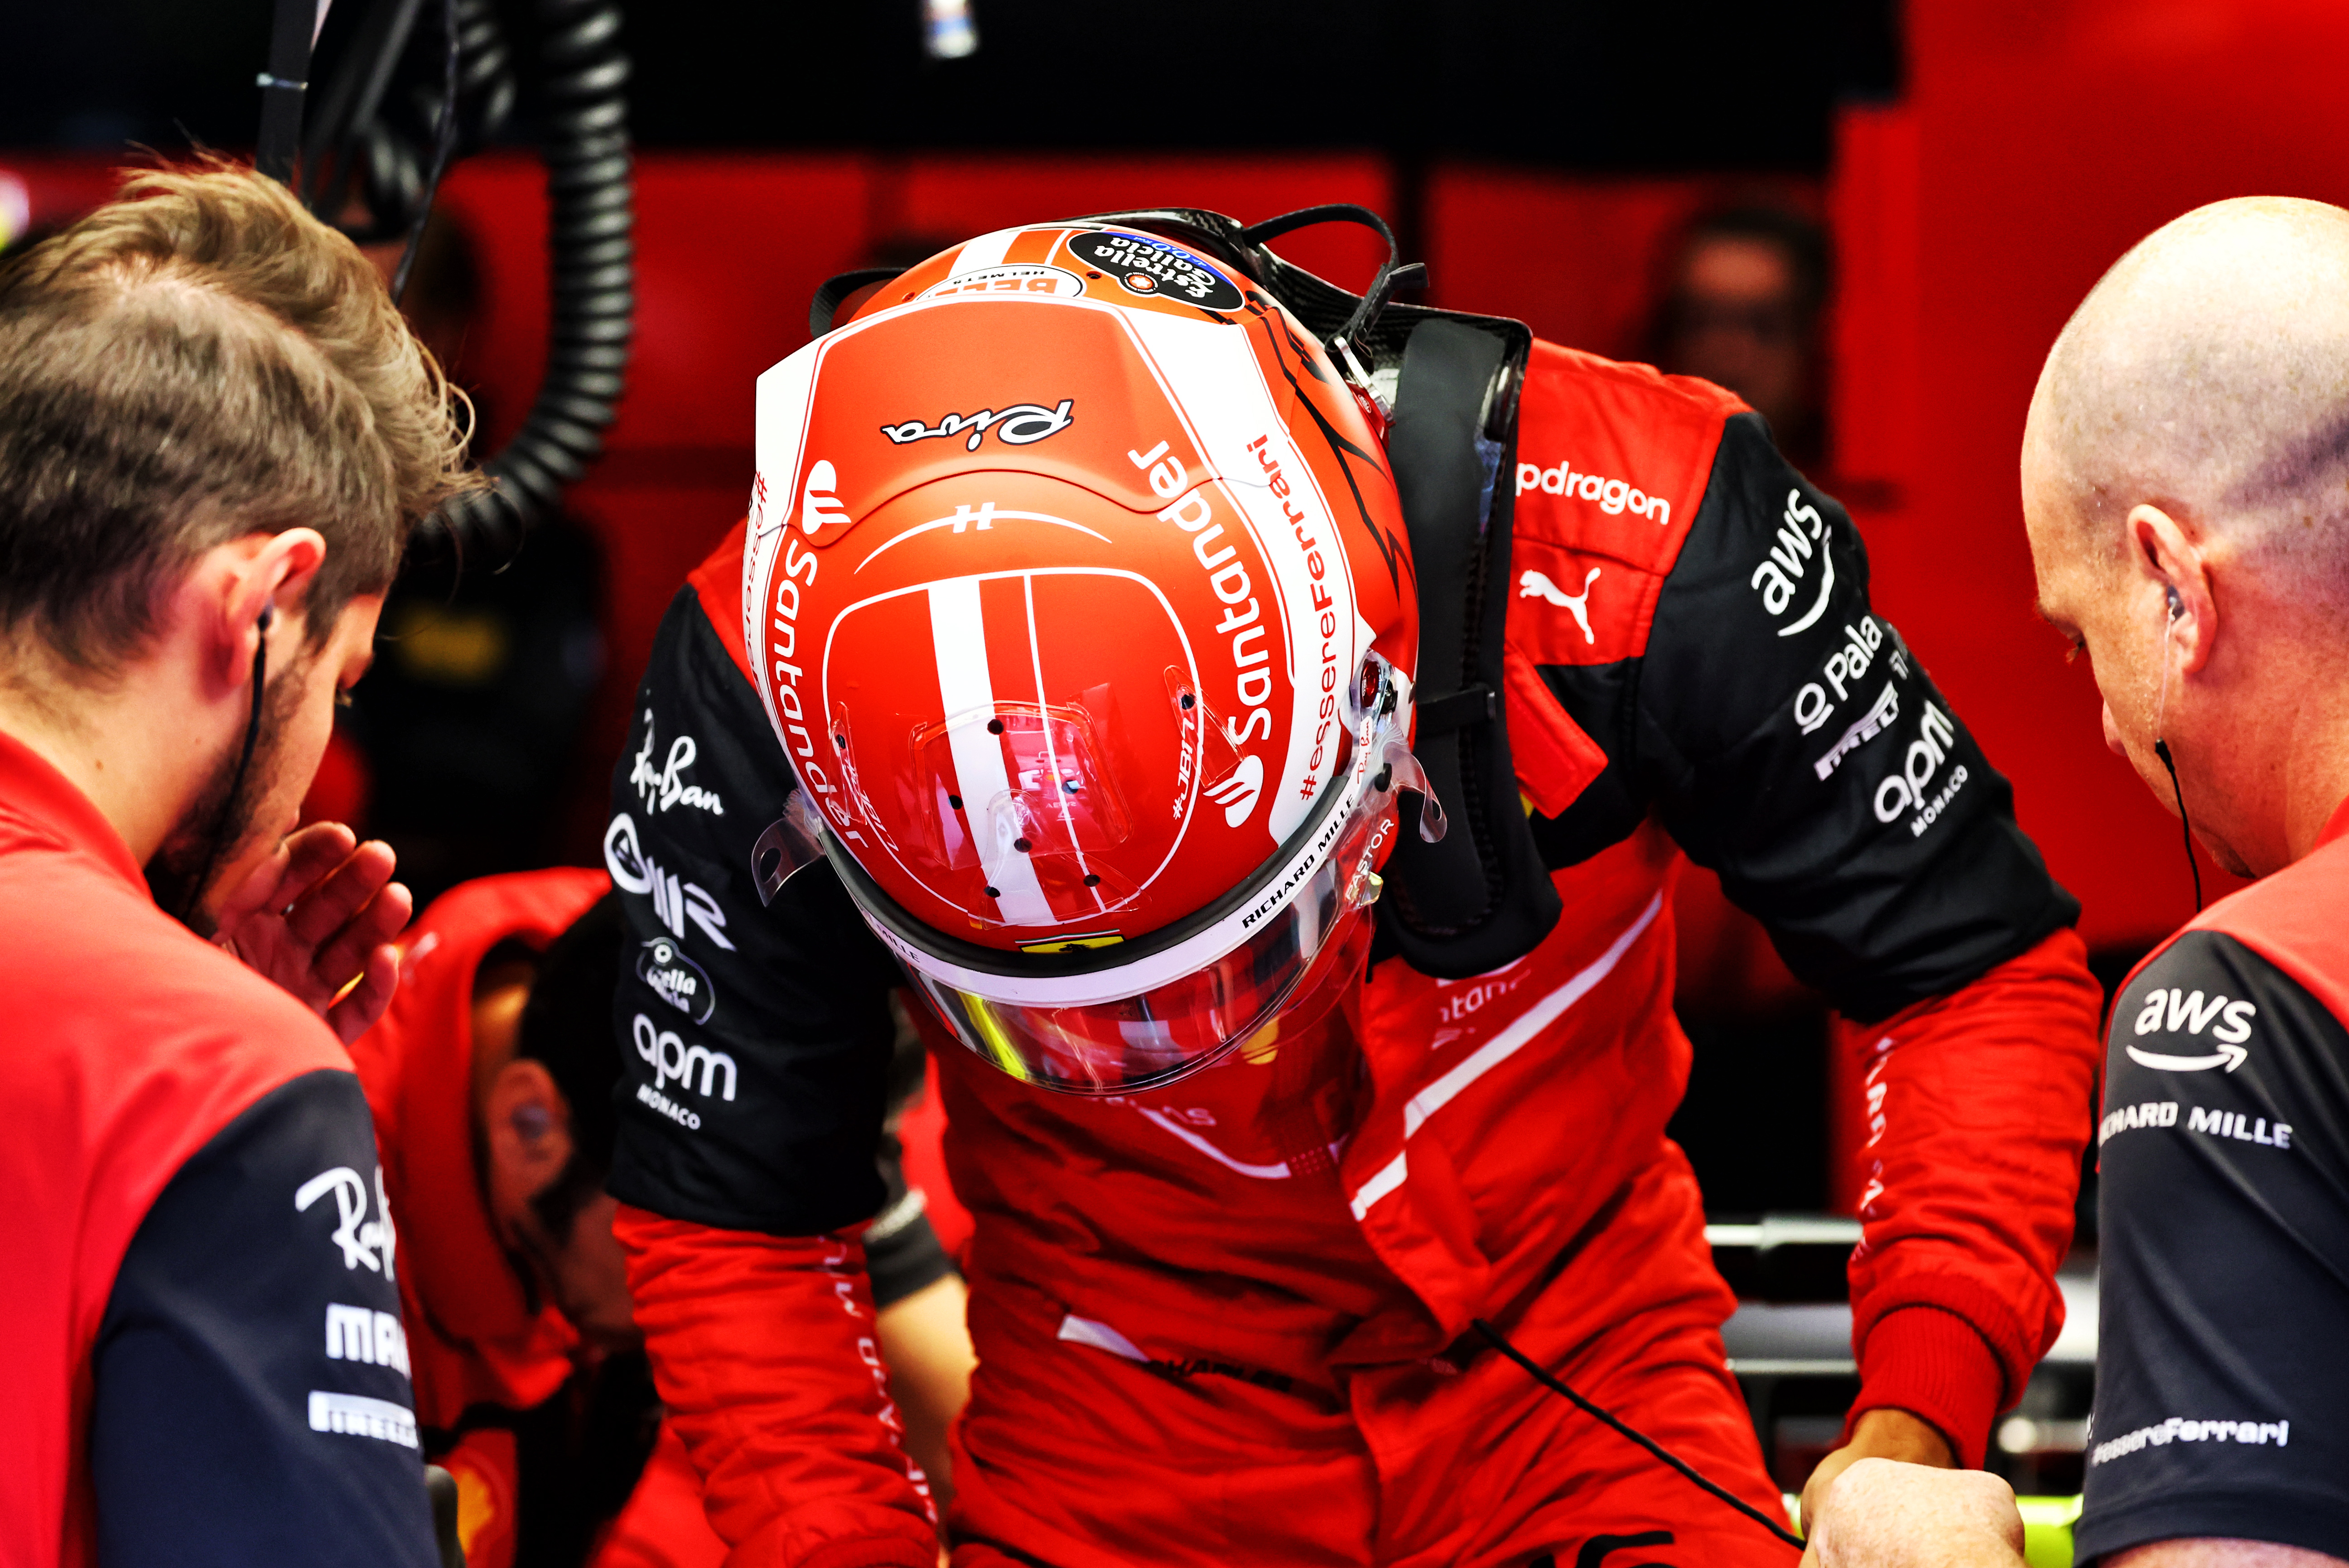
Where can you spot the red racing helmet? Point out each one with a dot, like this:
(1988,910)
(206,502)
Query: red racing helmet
(1078,594)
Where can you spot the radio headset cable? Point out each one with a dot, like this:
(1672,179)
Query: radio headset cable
(390,119)
(1500,1342)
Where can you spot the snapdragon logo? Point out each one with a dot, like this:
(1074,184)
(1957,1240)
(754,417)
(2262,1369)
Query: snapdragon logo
(1613,495)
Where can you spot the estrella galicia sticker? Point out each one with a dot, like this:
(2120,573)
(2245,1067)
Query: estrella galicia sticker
(1157,268)
(677,979)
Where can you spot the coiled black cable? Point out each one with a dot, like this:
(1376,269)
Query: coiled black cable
(591,248)
(388,142)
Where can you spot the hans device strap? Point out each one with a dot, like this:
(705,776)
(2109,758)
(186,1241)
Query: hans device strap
(1481,898)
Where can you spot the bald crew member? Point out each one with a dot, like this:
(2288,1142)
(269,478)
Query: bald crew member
(2186,488)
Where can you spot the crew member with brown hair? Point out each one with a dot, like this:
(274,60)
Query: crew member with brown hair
(216,436)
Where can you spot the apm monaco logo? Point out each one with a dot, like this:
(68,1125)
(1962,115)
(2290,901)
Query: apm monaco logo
(1021,424)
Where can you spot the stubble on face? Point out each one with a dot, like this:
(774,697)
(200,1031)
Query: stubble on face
(223,812)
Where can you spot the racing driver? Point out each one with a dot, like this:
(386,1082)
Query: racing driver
(1155,654)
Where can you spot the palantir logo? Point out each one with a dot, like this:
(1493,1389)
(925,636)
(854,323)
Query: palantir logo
(1236,791)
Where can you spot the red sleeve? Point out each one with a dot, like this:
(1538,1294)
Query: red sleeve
(764,1353)
(1979,1106)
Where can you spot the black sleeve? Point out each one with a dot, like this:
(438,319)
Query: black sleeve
(755,1037)
(902,1251)
(1792,742)
(250,1399)
(2222,1376)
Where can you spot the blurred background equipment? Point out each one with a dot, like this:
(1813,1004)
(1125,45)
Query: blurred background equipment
(1869,217)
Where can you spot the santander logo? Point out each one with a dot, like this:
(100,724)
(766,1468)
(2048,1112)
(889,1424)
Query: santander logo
(818,498)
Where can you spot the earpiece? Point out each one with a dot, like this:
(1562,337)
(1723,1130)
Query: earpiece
(269,615)
(533,1122)
(2177,605)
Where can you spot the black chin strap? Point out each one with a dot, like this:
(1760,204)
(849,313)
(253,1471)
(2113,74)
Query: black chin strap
(223,820)
(2161,750)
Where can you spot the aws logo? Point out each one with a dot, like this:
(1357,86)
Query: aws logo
(2175,1011)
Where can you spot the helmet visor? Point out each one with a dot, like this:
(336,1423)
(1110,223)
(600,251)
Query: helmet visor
(1157,1035)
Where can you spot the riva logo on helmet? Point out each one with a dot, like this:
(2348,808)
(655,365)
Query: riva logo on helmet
(819,498)
(1156,268)
(1021,424)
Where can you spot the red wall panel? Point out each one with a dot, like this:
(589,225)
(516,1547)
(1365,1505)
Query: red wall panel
(2049,137)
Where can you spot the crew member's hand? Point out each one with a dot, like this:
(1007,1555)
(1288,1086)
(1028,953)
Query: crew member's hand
(318,915)
(1878,1513)
(1880,1434)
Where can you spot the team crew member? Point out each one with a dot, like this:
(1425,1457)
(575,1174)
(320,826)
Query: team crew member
(1098,616)
(215,434)
(491,1077)
(2187,492)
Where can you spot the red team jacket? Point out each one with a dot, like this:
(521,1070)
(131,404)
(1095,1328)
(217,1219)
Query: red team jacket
(481,1349)
(1289,1250)
(206,1359)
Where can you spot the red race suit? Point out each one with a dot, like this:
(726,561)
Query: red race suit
(205,1357)
(493,1365)
(1228,1322)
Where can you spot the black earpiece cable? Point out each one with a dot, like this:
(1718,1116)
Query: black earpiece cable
(2161,746)
(1500,1343)
(2161,750)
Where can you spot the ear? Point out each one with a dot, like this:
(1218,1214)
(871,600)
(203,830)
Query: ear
(234,583)
(527,1125)
(2171,560)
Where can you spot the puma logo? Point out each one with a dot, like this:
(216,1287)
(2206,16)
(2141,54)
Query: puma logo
(1535,586)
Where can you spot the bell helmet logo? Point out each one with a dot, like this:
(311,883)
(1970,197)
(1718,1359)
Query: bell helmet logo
(1236,791)
(677,979)
(818,498)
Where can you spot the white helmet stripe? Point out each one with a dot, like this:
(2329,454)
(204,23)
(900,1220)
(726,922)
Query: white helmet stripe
(967,690)
(986,251)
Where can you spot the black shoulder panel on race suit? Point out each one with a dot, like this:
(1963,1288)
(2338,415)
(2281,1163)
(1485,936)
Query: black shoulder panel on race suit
(2220,1375)
(249,1397)
(754,1040)
(1790,741)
